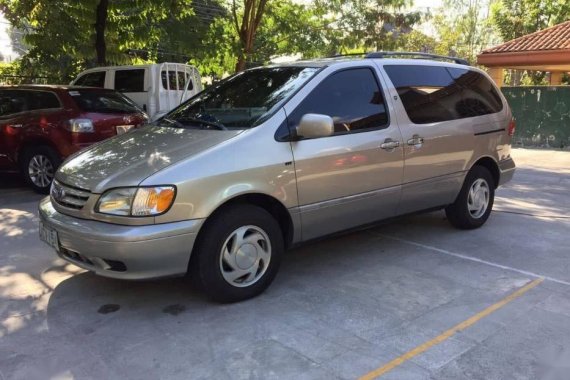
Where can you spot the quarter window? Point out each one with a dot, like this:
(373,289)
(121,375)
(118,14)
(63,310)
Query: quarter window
(433,94)
(352,98)
(96,79)
(129,80)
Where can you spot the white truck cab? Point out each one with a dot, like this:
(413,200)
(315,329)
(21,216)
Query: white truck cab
(156,88)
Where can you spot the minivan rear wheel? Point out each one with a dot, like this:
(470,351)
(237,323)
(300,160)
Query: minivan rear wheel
(474,203)
(38,166)
(237,254)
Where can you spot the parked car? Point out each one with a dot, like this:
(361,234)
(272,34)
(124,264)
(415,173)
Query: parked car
(277,156)
(41,125)
(156,88)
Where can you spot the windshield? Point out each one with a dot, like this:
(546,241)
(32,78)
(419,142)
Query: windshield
(103,102)
(241,101)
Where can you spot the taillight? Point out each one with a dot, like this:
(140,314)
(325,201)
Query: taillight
(512,127)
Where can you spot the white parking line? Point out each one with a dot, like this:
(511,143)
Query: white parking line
(474,259)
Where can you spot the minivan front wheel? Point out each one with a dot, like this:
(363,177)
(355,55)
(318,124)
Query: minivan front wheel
(38,167)
(237,254)
(474,203)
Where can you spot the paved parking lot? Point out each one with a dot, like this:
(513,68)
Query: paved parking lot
(409,299)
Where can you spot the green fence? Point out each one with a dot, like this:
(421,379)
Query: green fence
(542,114)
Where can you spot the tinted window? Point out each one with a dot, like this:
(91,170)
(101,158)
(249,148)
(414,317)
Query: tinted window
(16,101)
(41,100)
(479,96)
(103,102)
(96,79)
(13,101)
(241,101)
(129,80)
(352,98)
(433,94)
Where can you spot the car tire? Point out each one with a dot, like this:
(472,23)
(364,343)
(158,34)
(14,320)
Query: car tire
(474,203)
(38,166)
(238,253)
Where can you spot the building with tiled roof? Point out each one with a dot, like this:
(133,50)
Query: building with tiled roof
(546,50)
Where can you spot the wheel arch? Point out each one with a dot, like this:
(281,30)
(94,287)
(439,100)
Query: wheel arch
(31,143)
(490,164)
(270,204)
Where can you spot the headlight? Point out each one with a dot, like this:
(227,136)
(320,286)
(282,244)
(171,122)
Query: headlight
(81,126)
(137,201)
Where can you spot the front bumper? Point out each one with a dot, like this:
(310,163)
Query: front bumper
(119,251)
(507,170)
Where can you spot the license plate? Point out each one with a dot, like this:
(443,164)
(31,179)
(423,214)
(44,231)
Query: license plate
(49,236)
(123,128)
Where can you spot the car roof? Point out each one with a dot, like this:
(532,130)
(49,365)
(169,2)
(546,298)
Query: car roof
(54,87)
(332,61)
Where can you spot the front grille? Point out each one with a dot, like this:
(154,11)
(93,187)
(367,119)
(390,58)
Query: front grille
(67,196)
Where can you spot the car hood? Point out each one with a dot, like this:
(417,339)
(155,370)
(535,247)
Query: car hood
(128,159)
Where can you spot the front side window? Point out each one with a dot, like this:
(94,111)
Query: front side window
(96,79)
(242,101)
(103,102)
(432,94)
(352,98)
(129,80)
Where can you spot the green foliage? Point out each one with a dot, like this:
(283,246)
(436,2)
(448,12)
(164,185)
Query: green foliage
(366,24)
(516,18)
(463,28)
(61,34)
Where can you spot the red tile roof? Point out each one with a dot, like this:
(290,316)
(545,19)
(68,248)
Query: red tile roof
(556,37)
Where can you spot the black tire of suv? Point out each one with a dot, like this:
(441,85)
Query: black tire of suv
(458,213)
(27,157)
(204,267)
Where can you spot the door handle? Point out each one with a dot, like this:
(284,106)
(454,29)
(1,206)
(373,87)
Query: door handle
(416,141)
(390,144)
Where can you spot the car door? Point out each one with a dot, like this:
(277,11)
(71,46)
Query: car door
(352,177)
(438,138)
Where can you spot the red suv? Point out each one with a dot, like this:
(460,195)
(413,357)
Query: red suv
(41,125)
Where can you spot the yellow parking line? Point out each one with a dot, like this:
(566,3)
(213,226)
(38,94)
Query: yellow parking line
(449,333)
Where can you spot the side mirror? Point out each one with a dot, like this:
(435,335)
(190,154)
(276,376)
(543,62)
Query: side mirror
(315,125)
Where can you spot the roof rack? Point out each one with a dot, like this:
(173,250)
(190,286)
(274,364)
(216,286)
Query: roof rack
(385,54)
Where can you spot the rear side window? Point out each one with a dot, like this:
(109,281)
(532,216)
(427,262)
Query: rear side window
(96,79)
(13,101)
(479,96)
(129,80)
(351,97)
(16,101)
(433,94)
(42,100)
(103,102)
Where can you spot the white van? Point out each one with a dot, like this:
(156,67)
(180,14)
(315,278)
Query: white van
(156,88)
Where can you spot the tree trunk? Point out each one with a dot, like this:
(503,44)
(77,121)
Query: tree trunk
(253,11)
(100,24)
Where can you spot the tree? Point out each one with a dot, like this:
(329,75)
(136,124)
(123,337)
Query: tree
(246,24)
(66,35)
(516,18)
(463,29)
(367,24)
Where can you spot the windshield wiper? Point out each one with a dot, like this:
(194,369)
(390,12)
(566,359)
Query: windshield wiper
(175,122)
(220,126)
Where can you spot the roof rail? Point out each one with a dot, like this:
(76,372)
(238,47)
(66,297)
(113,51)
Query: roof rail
(385,54)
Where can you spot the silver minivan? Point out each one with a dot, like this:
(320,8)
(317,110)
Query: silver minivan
(276,156)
